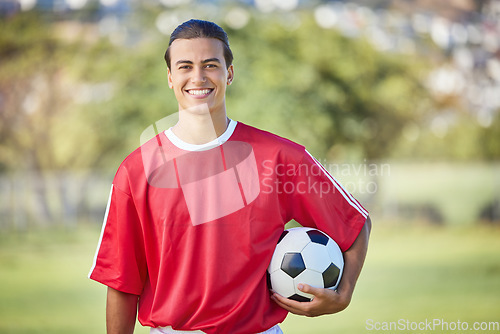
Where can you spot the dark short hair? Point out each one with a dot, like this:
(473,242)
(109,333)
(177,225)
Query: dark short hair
(200,29)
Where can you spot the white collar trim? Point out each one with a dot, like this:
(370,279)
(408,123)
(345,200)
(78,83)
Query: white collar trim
(202,147)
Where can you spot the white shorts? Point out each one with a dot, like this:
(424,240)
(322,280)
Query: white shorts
(168,330)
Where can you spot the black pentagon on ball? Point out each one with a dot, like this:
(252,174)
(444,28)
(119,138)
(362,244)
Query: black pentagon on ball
(285,232)
(317,237)
(299,298)
(330,276)
(293,264)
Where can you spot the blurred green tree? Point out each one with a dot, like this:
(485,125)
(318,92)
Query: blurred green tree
(71,100)
(490,139)
(31,86)
(325,90)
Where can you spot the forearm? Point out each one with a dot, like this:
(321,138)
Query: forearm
(121,311)
(354,259)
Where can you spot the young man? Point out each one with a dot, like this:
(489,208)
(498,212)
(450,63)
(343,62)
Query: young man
(194,214)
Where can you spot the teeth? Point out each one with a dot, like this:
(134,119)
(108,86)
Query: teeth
(199,91)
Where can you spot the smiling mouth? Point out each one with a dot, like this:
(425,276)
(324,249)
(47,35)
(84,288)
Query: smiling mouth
(199,92)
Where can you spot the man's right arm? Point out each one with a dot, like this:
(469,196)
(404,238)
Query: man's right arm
(121,312)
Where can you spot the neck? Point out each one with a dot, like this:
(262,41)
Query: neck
(199,126)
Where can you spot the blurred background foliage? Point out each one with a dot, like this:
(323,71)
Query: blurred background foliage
(74,99)
(78,87)
(326,95)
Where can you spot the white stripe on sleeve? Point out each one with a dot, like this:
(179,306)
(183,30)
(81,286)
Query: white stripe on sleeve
(102,231)
(349,198)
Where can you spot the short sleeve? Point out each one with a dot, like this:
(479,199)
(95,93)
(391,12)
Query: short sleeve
(320,201)
(120,258)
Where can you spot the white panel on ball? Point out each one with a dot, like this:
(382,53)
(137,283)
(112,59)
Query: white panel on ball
(312,278)
(335,254)
(316,257)
(283,283)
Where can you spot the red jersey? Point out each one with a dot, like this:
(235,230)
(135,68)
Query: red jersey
(191,229)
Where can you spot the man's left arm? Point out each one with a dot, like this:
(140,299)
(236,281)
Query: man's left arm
(328,301)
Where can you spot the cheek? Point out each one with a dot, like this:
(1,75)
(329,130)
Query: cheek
(176,81)
(178,93)
(177,87)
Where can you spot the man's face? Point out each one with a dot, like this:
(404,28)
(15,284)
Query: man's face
(198,73)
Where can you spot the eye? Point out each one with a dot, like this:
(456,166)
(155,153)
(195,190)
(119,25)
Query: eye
(211,66)
(184,67)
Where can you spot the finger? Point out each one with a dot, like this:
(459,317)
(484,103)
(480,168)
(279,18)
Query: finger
(288,304)
(310,289)
(283,301)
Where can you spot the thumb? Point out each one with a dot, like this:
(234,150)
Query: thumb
(308,289)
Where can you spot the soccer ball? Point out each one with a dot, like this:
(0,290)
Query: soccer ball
(304,255)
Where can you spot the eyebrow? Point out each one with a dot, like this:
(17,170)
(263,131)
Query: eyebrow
(209,60)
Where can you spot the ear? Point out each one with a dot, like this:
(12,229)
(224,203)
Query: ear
(230,74)
(170,82)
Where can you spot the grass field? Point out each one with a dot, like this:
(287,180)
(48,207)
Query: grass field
(411,273)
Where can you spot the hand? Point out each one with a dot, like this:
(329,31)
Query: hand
(325,301)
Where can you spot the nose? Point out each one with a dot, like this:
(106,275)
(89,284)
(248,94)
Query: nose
(198,76)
